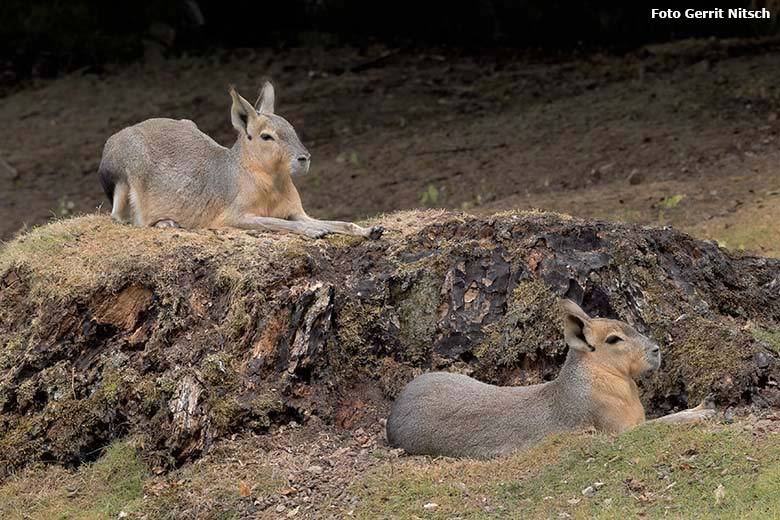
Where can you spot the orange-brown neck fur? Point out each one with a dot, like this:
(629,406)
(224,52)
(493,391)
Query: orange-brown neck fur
(615,397)
(272,188)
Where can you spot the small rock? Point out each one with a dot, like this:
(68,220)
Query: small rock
(314,469)
(292,512)
(635,177)
(431,506)
(574,501)
(8,171)
(598,485)
(280,508)
(720,494)
(761,359)
(702,66)
(122,514)
(589,491)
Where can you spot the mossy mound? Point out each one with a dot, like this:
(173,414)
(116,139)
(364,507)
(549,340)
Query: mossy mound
(182,337)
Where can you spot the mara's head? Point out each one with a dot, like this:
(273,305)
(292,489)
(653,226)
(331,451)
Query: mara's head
(269,141)
(611,343)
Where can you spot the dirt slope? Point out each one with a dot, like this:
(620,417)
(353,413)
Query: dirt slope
(185,337)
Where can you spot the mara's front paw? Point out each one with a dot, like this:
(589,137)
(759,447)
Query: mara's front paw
(708,413)
(708,403)
(375,232)
(315,232)
(705,411)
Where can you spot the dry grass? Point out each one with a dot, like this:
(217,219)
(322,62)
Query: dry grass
(701,210)
(70,257)
(651,472)
(654,471)
(753,228)
(97,491)
(222,485)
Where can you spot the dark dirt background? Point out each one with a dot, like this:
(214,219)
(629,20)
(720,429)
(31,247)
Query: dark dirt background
(682,133)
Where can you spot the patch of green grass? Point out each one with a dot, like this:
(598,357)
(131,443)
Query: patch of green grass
(97,491)
(120,481)
(752,228)
(430,197)
(654,470)
(672,202)
(210,489)
(769,336)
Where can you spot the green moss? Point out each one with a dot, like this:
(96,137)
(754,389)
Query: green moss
(769,336)
(12,349)
(20,444)
(225,413)
(149,394)
(216,369)
(706,355)
(530,324)
(354,320)
(110,385)
(26,391)
(416,309)
(246,295)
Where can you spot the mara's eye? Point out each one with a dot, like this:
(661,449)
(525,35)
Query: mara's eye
(614,339)
(266,137)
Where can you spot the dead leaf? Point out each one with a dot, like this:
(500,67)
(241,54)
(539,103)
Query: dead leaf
(634,485)
(243,489)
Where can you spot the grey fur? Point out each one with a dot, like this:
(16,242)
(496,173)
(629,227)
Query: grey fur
(448,414)
(455,415)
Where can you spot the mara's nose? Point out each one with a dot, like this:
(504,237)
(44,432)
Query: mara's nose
(304,158)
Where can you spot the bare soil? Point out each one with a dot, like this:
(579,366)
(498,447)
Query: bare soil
(683,133)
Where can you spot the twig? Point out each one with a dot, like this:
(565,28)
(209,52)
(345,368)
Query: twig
(459,149)
(374,62)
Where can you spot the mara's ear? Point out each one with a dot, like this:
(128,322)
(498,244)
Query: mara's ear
(575,323)
(241,113)
(265,100)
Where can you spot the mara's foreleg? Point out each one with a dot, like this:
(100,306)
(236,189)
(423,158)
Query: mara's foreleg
(344,228)
(705,410)
(305,228)
(120,203)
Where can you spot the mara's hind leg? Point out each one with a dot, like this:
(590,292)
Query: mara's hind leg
(137,217)
(120,203)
